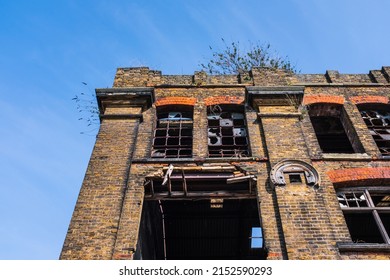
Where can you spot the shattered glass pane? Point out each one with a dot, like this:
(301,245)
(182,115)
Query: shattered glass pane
(227,134)
(237,116)
(352,199)
(225,122)
(239,131)
(214,132)
(378,122)
(174,115)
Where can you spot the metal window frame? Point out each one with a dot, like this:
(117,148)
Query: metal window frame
(377,129)
(371,208)
(231,133)
(180,143)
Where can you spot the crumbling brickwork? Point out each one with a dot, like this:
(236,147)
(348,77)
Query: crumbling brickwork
(290,119)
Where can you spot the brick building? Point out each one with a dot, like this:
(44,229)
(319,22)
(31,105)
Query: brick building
(266,164)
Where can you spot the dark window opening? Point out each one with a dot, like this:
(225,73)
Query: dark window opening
(295,178)
(367,213)
(377,119)
(203,229)
(173,132)
(333,129)
(227,133)
(380,200)
(363,228)
(331,135)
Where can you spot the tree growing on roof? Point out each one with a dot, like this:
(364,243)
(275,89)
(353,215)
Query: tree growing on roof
(233,59)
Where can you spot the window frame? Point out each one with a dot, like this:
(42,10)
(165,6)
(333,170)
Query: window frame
(238,125)
(182,129)
(370,208)
(374,129)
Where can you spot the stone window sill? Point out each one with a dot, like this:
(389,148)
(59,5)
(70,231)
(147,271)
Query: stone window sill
(362,247)
(341,156)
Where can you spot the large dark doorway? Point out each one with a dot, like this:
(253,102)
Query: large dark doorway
(200,229)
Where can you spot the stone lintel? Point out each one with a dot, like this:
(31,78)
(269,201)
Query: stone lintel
(125,97)
(279,95)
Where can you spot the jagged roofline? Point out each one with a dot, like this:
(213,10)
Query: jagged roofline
(258,76)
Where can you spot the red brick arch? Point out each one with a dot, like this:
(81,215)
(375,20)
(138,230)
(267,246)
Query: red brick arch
(360,176)
(176,101)
(311,99)
(369,99)
(223,100)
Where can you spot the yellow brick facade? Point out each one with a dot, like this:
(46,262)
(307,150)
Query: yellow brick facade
(299,220)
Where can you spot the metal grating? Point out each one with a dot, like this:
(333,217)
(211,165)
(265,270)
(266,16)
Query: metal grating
(378,122)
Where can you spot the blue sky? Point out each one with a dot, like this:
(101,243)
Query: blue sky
(49,48)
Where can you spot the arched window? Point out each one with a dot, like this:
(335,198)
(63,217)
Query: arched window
(173,132)
(227,133)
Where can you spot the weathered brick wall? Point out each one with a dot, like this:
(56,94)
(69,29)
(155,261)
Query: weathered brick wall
(302,210)
(93,228)
(299,222)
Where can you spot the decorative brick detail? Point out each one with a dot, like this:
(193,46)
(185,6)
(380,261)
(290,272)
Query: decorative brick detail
(307,100)
(223,100)
(176,101)
(369,99)
(360,176)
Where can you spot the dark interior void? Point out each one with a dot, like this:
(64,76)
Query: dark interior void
(331,134)
(198,230)
(363,227)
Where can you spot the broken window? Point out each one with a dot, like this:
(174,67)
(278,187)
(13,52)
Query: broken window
(367,213)
(173,132)
(184,229)
(331,124)
(200,215)
(227,133)
(377,119)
